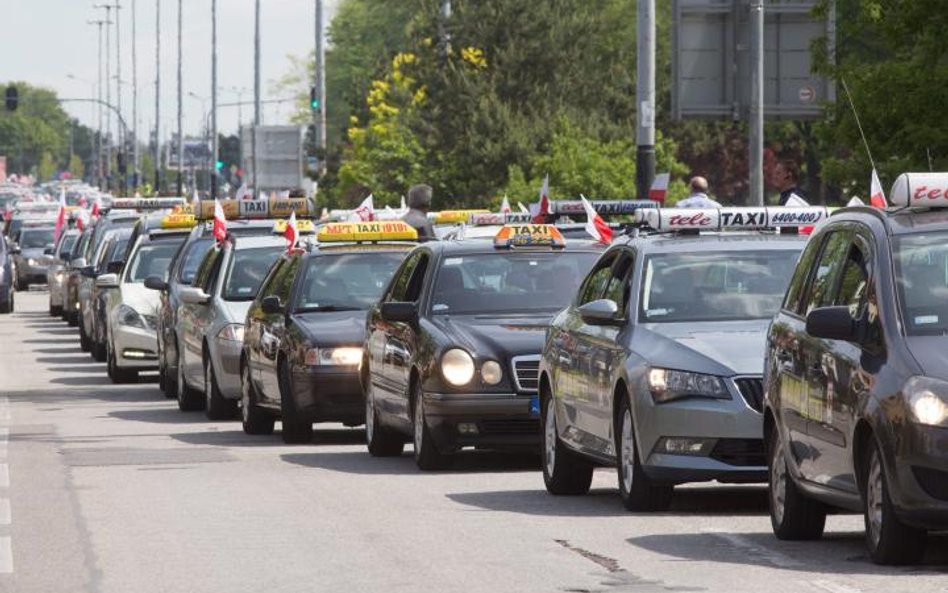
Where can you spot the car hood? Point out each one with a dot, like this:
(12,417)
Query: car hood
(503,336)
(36,253)
(143,300)
(236,311)
(931,354)
(720,348)
(333,328)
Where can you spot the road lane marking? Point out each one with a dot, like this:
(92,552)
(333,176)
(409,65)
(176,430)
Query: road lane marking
(6,555)
(747,546)
(5,514)
(832,587)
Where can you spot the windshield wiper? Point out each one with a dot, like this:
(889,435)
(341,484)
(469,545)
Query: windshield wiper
(325,308)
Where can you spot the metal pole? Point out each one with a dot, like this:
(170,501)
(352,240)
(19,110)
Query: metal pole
(98,90)
(256,94)
(157,96)
(444,37)
(645,95)
(123,141)
(320,116)
(180,104)
(136,166)
(108,94)
(214,149)
(756,144)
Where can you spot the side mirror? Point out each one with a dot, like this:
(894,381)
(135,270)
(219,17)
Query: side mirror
(833,323)
(87,271)
(156,283)
(271,305)
(107,281)
(399,311)
(193,295)
(15,250)
(65,257)
(49,250)
(79,262)
(600,312)
(115,267)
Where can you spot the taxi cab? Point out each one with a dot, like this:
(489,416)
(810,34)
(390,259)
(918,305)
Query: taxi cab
(452,348)
(856,375)
(55,275)
(304,332)
(655,366)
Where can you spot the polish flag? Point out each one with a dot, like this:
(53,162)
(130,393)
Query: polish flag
(97,207)
(291,233)
(196,204)
(81,220)
(876,195)
(505,205)
(83,202)
(523,209)
(220,222)
(595,225)
(854,201)
(8,212)
(365,212)
(243,193)
(544,210)
(659,189)
(61,216)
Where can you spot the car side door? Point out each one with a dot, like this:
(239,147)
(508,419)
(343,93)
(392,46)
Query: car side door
(256,335)
(402,339)
(273,332)
(189,336)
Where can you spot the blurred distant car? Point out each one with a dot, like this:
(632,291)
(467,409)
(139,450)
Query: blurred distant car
(6,275)
(55,271)
(30,265)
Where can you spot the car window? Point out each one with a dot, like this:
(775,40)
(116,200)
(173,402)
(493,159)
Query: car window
(853,283)
(921,268)
(345,281)
(204,269)
(36,238)
(151,259)
(595,283)
(798,282)
(828,268)
(287,276)
(416,282)
(400,285)
(193,255)
(246,272)
(619,282)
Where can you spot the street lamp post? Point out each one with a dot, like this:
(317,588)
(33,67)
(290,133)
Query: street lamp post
(213,168)
(180,103)
(98,151)
(158,96)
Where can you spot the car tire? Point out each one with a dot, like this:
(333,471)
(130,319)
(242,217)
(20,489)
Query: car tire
(84,342)
(637,490)
(295,429)
(171,380)
(381,440)
(216,406)
(565,473)
(793,516)
(189,399)
(427,455)
(23,286)
(7,307)
(55,311)
(254,419)
(98,351)
(889,540)
(119,375)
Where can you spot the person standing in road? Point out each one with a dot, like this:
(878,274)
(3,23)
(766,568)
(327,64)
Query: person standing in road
(698,198)
(786,178)
(419,203)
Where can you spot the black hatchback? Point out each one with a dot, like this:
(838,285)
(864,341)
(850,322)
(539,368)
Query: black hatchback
(856,375)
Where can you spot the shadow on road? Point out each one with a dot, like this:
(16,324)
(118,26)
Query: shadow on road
(51,341)
(82,381)
(90,367)
(64,350)
(59,331)
(80,358)
(763,549)
(237,438)
(360,462)
(169,415)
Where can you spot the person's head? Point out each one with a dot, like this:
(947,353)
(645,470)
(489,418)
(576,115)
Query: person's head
(419,197)
(698,184)
(786,174)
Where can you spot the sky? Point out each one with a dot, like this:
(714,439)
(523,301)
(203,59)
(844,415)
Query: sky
(53,45)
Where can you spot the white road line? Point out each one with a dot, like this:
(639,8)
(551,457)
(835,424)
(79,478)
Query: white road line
(5,515)
(745,545)
(832,587)
(4,475)
(6,555)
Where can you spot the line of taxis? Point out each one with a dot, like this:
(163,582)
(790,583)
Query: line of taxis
(676,354)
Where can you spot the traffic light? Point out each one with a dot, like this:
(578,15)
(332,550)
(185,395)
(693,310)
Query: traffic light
(13,98)
(313,98)
(219,165)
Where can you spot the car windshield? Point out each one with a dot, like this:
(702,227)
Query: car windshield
(508,281)
(346,282)
(192,259)
(715,286)
(36,238)
(68,242)
(152,259)
(246,272)
(921,268)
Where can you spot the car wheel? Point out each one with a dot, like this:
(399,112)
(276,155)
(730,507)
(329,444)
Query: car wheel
(7,307)
(55,311)
(890,541)
(23,286)
(793,516)
(216,406)
(427,455)
(189,399)
(296,429)
(72,319)
(381,440)
(171,378)
(118,375)
(98,351)
(637,490)
(162,374)
(84,342)
(564,472)
(254,420)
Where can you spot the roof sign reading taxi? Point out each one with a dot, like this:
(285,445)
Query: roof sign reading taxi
(272,208)
(529,235)
(454,216)
(499,218)
(391,230)
(602,207)
(717,219)
(920,189)
(304,227)
(146,203)
(178,220)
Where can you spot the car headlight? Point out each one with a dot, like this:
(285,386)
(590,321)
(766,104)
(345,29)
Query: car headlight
(491,372)
(667,385)
(30,261)
(232,333)
(457,366)
(343,357)
(129,317)
(927,399)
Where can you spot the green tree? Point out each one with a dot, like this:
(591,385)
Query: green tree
(76,167)
(38,127)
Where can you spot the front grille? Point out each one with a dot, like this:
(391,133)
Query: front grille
(752,390)
(509,426)
(934,482)
(527,372)
(740,452)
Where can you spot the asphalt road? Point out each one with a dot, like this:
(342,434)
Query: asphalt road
(109,488)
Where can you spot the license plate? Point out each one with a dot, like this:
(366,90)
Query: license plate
(535,406)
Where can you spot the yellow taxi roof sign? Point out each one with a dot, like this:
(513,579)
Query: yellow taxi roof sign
(178,220)
(529,235)
(303,226)
(455,216)
(388,230)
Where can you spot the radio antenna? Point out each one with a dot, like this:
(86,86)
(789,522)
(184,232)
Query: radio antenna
(928,152)
(858,123)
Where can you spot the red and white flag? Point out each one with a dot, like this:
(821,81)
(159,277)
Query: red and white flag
(83,202)
(876,195)
(243,193)
(81,220)
(365,212)
(505,205)
(196,204)
(659,189)
(60,216)
(291,233)
(96,207)
(220,222)
(523,209)
(8,212)
(595,225)
(544,210)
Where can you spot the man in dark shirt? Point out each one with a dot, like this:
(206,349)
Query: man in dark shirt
(419,202)
(786,178)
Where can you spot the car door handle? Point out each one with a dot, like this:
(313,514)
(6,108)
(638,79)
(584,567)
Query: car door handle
(564,359)
(816,368)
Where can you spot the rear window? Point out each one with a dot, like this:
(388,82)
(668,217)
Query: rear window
(193,255)
(151,259)
(247,270)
